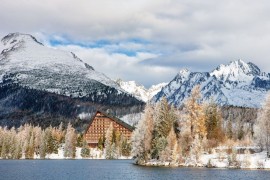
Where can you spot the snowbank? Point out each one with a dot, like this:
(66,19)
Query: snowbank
(94,154)
(221,160)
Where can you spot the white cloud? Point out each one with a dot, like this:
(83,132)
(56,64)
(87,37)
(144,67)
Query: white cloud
(182,33)
(117,65)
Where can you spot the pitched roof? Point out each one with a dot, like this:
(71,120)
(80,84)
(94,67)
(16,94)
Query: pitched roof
(117,120)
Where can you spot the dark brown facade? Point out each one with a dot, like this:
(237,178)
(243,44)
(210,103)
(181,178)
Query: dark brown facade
(100,123)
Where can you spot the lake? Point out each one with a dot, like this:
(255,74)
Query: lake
(113,169)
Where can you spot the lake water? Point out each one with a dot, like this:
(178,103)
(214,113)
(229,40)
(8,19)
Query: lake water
(113,169)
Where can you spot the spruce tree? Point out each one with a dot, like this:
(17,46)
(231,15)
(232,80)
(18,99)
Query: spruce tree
(100,143)
(85,151)
(164,120)
(213,122)
(229,129)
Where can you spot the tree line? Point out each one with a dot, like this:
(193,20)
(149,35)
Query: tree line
(29,141)
(178,136)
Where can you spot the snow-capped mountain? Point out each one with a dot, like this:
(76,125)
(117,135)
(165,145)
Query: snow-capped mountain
(139,91)
(237,83)
(33,65)
(35,79)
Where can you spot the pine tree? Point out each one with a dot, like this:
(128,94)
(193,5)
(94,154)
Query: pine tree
(79,140)
(194,119)
(263,125)
(108,142)
(142,136)
(49,140)
(229,129)
(168,155)
(125,147)
(70,142)
(195,115)
(30,148)
(25,137)
(213,122)
(114,151)
(38,139)
(13,142)
(196,149)
(18,150)
(85,151)
(100,143)
(164,120)
(4,150)
(43,145)
(240,133)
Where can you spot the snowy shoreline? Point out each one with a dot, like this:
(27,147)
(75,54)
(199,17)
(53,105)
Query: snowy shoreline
(95,154)
(216,160)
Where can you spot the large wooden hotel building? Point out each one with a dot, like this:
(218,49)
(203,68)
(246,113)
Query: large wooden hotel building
(99,124)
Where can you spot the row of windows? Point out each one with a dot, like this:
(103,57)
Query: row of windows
(101,131)
(102,134)
(106,121)
(107,126)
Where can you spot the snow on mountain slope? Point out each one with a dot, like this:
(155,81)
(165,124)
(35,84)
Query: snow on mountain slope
(238,84)
(154,89)
(33,65)
(236,71)
(139,91)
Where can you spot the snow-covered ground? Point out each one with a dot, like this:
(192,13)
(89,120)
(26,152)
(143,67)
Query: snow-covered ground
(223,160)
(214,160)
(252,161)
(94,154)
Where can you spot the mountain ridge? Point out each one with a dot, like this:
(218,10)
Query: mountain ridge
(237,84)
(139,91)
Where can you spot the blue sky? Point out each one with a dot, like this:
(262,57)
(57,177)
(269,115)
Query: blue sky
(147,41)
(112,46)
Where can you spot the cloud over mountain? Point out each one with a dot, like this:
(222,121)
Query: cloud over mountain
(193,34)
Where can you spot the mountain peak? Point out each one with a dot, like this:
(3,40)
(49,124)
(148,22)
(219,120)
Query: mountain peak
(14,38)
(184,72)
(236,71)
(239,61)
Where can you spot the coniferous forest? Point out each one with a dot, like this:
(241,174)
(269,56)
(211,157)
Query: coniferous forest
(196,133)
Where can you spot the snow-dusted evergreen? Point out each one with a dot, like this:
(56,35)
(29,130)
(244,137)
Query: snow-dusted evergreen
(262,128)
(237,84)
(139,91)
